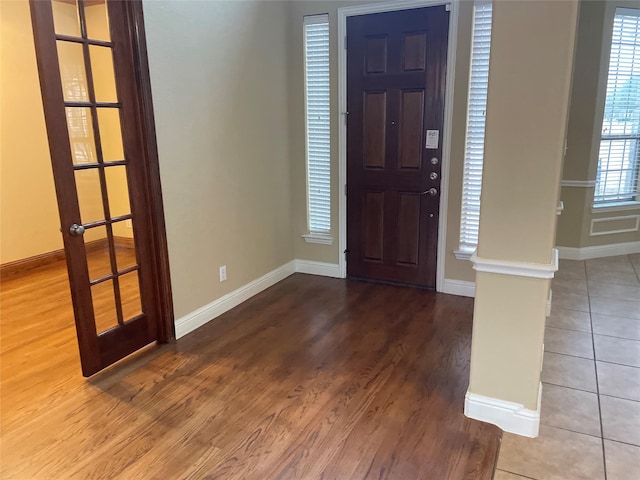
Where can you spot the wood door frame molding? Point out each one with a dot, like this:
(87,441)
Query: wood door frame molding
(166,322)
(392,6)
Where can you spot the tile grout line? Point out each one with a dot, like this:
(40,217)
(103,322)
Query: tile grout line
(635,270)
(514,473)
(572,431)
(599,334)
(595,367)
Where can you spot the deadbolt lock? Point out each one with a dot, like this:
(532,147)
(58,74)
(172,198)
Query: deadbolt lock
(433,176)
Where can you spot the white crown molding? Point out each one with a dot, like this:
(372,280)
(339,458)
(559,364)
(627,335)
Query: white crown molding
(519,269)
(509,416)
(598,251)
(318,268)
(578,183)
(459,287)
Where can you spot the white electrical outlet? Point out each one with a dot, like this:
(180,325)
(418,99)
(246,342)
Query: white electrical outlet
(127,223)
(223,273)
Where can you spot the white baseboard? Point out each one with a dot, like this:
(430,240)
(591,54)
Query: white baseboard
(459,287)
(318,268)
(199,317)
(548,311)
(586,253)
(509,416)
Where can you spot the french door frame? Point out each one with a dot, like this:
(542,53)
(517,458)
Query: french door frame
(392,6)
(161,287)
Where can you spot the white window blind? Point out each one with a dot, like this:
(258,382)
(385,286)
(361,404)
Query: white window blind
(316,66)
(617,178)
(477,104)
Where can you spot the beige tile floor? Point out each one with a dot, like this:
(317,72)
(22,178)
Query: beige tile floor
(590,417)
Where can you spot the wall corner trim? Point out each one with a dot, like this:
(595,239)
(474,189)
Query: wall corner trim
(519,269)
(459,287)
(598,251)
(509,416)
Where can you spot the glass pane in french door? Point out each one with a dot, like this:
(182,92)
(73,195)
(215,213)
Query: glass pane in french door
(99,159)
(72,72)
(96,244)
(97,20)
(104,80)
(104,305)
(65,17)
(130,295)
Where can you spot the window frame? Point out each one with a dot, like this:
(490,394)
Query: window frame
(470,229)
(316,235)
(602,205)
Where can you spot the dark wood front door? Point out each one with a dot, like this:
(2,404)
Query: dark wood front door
(92,64)
(396,67)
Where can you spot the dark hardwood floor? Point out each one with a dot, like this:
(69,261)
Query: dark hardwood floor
(315,378)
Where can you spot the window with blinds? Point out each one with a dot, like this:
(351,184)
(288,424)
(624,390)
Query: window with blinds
(316,74)
(477,104)
(618,160)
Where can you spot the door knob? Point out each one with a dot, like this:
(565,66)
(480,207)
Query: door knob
(76,230)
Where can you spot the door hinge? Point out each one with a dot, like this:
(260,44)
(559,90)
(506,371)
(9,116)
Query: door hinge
(447,7)
(346,39)
(345,253)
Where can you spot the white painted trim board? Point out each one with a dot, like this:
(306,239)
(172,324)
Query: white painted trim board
(519,269)
(205,314)
(318,268)
(509,416)
(598,251)
(459,287)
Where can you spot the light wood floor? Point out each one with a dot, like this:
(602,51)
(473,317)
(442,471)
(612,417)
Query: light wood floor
(314,378)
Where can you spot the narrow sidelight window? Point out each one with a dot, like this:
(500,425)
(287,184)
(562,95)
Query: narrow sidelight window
(317,109)
(476,108)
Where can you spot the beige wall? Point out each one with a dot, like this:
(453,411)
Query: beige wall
(585,121)
(527,109)
(29,222)
(220,87)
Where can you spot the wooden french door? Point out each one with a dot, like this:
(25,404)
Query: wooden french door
(396,68)
(91,61)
